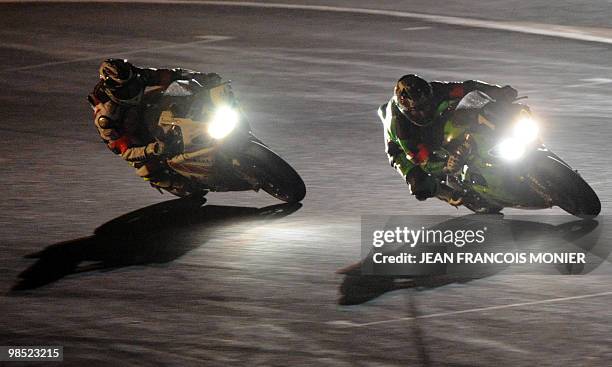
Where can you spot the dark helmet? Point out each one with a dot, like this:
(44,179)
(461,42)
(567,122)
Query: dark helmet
(413,97)
(116,73)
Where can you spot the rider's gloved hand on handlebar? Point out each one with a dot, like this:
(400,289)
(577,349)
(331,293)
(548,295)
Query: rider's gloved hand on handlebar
(155,149)
(160,149)
(506,93)
(209,79)
(422,185)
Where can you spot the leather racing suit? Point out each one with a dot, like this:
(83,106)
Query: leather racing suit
(408,146)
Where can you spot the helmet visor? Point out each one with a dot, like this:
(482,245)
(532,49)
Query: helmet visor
(417,110)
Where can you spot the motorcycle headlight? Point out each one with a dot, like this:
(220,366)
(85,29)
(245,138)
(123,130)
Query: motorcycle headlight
(510,149)
(526,130)
(223,122)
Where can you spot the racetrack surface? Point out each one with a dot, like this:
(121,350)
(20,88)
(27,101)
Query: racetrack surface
(130,277)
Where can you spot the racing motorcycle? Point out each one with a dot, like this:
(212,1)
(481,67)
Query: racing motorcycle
(493,158)
(215,147)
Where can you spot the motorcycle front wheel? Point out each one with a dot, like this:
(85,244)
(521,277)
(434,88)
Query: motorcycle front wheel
(566,187)
(275,176)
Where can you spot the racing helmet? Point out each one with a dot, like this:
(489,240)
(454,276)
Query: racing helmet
(413,97)
(116,73)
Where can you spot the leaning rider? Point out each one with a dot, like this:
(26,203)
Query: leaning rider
(414,120)
(117,101)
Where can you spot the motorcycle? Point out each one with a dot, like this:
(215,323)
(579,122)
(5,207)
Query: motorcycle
(215,148)
(494,158)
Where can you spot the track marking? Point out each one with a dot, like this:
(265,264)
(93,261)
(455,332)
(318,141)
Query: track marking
(599,35)
(415,28)
(202,40)
(346,323)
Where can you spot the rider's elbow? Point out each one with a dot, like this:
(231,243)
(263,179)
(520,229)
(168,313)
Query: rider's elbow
(382,112)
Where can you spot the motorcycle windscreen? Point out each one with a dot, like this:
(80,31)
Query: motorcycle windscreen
(475,100)
(179,88)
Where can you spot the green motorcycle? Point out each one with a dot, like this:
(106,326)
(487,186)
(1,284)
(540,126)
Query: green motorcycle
(493,158)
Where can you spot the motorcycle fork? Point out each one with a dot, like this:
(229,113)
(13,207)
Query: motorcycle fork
(236,169)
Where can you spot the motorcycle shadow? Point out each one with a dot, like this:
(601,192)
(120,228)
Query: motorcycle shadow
(362,284)
(156,234)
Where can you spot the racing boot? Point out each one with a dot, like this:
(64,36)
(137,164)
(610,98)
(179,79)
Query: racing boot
(181,187)
(449,195)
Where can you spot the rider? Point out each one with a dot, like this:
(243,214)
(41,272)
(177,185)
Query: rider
(414,122)
(118,115)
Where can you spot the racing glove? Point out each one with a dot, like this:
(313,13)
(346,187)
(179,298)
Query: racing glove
(208,79)
(505,93)
(203,78)
(184,74)
(161,149)
(422,185)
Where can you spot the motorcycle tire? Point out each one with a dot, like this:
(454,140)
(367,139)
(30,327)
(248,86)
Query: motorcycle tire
(275,176)
(567,189)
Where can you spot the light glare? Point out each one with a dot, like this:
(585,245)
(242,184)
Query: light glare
(223,122)
(526,130)
(511,149)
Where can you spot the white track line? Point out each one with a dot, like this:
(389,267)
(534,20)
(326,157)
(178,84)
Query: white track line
(551,30)
(344,323)
(202,40)
(415,28)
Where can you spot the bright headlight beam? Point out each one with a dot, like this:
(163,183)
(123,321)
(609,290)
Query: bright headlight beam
(526,130)
(511,149)
(223,122)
